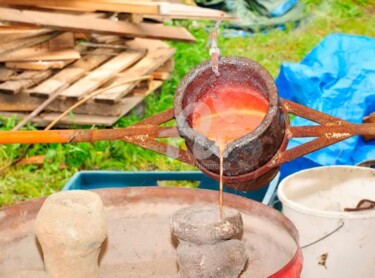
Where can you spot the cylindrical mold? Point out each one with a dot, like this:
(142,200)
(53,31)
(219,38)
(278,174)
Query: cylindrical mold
(71,227)
(209,246)
(248,153)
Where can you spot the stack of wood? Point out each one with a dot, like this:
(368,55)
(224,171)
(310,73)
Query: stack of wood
(63,51)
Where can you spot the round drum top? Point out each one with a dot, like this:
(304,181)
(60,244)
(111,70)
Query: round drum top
(140,243)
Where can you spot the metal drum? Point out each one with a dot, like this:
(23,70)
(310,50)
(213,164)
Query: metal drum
(140,242)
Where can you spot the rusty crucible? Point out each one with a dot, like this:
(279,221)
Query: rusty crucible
(248,153)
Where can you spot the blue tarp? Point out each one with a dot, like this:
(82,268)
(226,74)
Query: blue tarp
(284,7)
(337,77)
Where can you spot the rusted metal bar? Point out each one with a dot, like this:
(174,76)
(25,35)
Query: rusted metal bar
(331,131)
(306,148)
(143,134)
(369,119)
(162,148)
(158,119)
(311,114)
(148,128)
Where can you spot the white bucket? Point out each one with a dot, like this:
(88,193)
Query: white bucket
(335,243)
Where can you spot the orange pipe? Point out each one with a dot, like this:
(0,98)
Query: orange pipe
(30,137)
(85,135)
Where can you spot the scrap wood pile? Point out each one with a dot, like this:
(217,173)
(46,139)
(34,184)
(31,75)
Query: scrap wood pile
(100,54)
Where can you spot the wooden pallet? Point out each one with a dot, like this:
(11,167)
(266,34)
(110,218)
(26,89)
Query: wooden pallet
(51,59)
(24,102)
(124,106)
(23,91)
(24,80)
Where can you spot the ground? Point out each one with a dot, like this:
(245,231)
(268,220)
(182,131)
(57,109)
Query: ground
(270,49)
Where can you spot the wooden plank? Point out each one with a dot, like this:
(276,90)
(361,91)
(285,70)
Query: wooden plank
(189,2)
(37,159)
(170,10)
(11,46)
(89,108)
(40,65)
(161,75)
(11,33)
(95,15)
(127,104)
(168,66)
(15,28)
(98,77)
(19,102)
(98,25)
(154,59)
(93,59)
(92,5)
(6,74)
(106,38)
(43,106)
(164,72)
(24,102)
(23,81)
(63,41)
(29,65)
(119,45)
(136,18)
(72,73)
(40,54)
(181,11)
(105,109)
(27,74)
(77,119)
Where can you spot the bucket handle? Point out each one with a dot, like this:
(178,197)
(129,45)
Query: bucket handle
(341,224)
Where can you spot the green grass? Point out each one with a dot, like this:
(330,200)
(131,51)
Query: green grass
(271,49)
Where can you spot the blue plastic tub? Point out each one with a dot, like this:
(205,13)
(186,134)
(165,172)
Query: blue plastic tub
(86,180)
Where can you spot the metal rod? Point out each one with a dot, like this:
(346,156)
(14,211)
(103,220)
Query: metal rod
(163,148)
(311,114)
(332,130)
(306,148)
(158,119)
